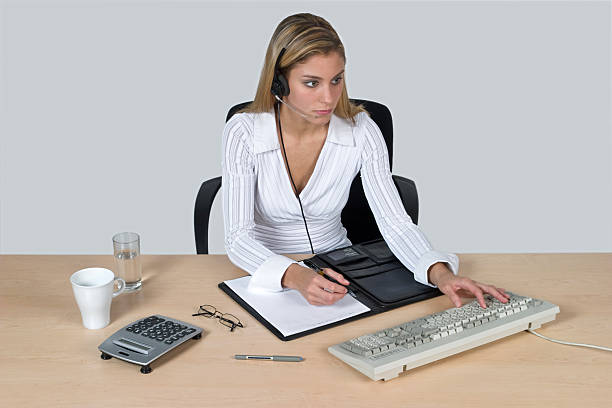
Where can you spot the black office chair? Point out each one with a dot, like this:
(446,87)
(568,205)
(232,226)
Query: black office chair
(356,217)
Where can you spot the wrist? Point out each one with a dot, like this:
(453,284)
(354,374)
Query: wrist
(287,281)
(436,272)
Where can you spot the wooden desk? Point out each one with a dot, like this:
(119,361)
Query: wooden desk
(48,358)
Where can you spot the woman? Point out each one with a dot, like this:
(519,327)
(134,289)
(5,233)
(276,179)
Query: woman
(289,160)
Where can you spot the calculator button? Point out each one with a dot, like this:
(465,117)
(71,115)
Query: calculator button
(180,334)
(137,331)
(129,328)
(146,334)
(169,341)
(175,338)
(160,338)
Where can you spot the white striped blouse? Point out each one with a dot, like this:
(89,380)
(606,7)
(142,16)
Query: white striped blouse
(262,217)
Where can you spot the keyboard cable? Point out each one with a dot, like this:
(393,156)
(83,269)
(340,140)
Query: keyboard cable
(569,343)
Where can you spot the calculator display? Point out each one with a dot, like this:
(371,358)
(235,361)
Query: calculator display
(137,345)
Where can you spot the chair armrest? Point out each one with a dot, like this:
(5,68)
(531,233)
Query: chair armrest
(201,213)
(408,193)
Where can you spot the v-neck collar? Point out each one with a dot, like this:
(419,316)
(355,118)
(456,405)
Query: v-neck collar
(340,131)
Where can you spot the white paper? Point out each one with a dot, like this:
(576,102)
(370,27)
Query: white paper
(289,312)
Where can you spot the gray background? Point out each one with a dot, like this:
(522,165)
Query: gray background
(112,113)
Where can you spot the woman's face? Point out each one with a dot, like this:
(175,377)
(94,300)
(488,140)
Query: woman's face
(316,85)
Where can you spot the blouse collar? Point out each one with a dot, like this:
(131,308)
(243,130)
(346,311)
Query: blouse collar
(340,131)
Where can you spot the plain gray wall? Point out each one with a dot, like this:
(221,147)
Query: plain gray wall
(112,114)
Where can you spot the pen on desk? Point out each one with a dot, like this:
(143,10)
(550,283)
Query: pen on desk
(269,358)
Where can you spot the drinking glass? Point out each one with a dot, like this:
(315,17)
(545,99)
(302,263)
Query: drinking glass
(126,247)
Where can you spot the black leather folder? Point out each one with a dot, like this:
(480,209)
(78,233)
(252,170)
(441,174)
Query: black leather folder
(377,278)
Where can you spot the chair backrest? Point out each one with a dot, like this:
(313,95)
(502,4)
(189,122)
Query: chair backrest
(357,217)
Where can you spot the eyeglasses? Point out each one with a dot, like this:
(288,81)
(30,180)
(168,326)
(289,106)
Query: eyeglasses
(226,319)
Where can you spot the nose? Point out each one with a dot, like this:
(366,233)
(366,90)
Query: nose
(327,96)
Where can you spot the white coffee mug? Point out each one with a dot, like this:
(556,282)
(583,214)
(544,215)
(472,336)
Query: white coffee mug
(93,291)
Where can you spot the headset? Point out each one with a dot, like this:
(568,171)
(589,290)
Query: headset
(280,88)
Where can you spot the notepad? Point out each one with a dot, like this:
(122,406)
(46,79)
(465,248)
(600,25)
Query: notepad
(290,313)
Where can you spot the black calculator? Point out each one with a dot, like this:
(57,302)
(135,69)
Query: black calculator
(144,340)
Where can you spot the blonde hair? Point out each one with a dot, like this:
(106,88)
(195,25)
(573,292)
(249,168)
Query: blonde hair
(302,35)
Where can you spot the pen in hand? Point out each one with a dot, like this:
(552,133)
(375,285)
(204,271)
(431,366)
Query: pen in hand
(320,271)
(348,287)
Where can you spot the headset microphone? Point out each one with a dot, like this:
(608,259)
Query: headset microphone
(302,114)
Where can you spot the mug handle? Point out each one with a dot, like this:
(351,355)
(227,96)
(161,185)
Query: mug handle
(121,287)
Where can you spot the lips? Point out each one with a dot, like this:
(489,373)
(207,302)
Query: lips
(323,112)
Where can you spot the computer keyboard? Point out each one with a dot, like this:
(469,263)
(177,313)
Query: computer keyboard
(387,353)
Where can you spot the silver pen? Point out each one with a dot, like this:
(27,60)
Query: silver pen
(270,358)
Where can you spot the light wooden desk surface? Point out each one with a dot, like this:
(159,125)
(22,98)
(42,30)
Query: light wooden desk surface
(47,358)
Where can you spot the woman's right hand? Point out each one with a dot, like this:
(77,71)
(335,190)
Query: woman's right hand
(315,288)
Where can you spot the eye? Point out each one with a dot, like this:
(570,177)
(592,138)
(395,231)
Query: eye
(311,84)
(337,80)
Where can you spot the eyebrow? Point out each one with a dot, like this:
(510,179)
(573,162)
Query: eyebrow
(316,77)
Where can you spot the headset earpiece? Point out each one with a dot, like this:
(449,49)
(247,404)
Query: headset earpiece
(280,86)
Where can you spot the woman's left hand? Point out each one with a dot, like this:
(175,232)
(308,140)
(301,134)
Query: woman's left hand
(459,286)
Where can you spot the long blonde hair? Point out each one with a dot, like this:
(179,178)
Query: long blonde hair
(302,35)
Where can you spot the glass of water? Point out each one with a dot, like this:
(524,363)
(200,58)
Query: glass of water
(126,247)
